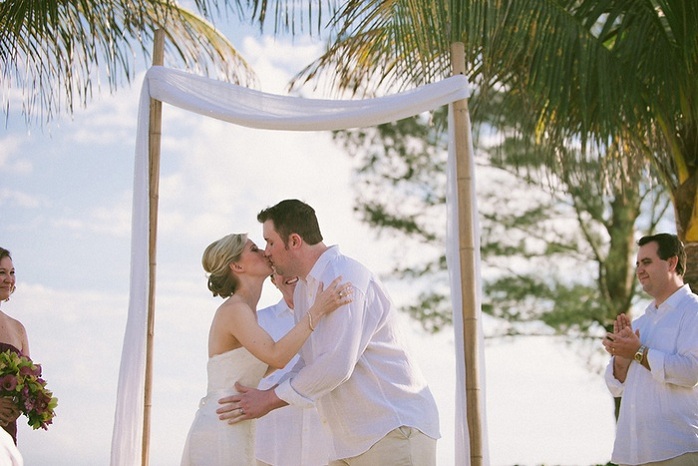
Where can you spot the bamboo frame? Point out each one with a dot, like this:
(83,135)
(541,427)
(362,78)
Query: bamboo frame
(466,246)
(467,254)
(154,139)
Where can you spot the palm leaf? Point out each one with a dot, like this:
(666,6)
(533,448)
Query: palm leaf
(55,53)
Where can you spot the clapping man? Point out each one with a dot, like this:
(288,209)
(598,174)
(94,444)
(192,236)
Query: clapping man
(654,364)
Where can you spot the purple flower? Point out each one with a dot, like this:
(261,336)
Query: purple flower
(8,382)
(21,379)
(33,370)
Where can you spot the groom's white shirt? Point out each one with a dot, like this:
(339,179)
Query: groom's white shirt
(356,364)
(288,436)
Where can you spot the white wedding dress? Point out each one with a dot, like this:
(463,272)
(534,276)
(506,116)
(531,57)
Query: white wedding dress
(212,442)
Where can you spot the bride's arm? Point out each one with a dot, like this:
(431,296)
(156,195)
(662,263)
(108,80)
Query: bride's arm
(277,354)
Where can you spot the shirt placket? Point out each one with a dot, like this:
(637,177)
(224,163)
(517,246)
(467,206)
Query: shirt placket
(310,294)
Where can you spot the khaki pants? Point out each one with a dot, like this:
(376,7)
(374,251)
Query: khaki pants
(404,446)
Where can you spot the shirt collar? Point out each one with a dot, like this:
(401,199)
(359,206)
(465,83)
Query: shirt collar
(281,308)
(321,263)
(673,301)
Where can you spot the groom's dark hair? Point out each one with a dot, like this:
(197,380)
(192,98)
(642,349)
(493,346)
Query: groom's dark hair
(293,216)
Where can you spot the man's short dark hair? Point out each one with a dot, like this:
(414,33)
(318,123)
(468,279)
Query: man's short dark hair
(293,216)
(668,246)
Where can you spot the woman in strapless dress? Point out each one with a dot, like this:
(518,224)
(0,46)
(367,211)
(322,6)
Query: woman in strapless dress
(13,337)
(240,350)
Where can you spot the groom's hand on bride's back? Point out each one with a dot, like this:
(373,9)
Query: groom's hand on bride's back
(249,403)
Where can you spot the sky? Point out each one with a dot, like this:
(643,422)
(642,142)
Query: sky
(65,205)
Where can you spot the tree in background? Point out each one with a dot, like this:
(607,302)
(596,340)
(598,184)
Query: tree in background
(557,249)
(56,52)
(589,72)
(537,226)
(594,74)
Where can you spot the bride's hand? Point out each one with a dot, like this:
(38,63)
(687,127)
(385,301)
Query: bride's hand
(330,299)
(9,412)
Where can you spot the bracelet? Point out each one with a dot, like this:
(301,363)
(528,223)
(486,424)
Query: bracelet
(310,322)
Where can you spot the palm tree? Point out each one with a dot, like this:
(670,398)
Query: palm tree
(595,73)
(55,52)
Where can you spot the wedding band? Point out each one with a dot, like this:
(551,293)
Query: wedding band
(242,411)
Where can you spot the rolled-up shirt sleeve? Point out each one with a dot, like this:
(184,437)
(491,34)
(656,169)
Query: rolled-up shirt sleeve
(678,367)
(285,391)
(614,385)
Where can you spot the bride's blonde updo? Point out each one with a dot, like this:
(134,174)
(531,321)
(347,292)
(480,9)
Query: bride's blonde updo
(216,261)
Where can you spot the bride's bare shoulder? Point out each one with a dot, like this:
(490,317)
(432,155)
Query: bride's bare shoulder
(233,307)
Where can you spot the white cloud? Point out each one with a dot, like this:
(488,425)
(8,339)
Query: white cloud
(273,58)
(113,220)
(11,160)
(18,198)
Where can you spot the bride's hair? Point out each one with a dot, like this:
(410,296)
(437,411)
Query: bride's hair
(216,261)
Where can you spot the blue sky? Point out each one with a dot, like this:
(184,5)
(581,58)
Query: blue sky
(65,204)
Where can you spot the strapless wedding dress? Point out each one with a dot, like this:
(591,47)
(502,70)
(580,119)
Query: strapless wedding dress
(212,442)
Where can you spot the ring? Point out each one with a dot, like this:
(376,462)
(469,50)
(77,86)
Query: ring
(242,411)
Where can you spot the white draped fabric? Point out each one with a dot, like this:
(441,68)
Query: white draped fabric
(250,108)
(9,454)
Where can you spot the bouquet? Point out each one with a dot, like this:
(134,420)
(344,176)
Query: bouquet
(20,379)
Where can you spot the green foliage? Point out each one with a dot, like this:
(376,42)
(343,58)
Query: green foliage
(567,309)
(432,309)
(598,80)
(536,226)
(57,52)
(413,170)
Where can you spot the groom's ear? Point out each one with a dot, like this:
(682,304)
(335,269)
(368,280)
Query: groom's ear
(294,241)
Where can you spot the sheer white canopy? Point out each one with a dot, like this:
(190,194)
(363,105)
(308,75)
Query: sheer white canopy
(250,108)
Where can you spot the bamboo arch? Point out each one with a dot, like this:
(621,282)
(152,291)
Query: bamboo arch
(463,267)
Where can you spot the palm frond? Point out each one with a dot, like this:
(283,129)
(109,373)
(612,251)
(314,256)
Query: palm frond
(56,53)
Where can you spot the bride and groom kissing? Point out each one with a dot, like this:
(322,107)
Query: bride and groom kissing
(353,363)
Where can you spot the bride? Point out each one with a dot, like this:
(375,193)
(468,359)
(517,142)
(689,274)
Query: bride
(240,350)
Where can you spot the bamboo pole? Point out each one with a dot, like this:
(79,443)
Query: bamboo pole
(466,247)
(154,138)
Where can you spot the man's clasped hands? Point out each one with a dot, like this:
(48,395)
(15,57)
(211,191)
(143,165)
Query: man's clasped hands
(623,342)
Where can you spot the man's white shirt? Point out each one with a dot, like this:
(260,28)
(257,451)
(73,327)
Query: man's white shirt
(356,365)
(288,436)
(659,408)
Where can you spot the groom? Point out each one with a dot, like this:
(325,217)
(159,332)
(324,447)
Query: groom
(355,366)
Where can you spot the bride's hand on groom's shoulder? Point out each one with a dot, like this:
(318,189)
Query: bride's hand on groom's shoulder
(328,299)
